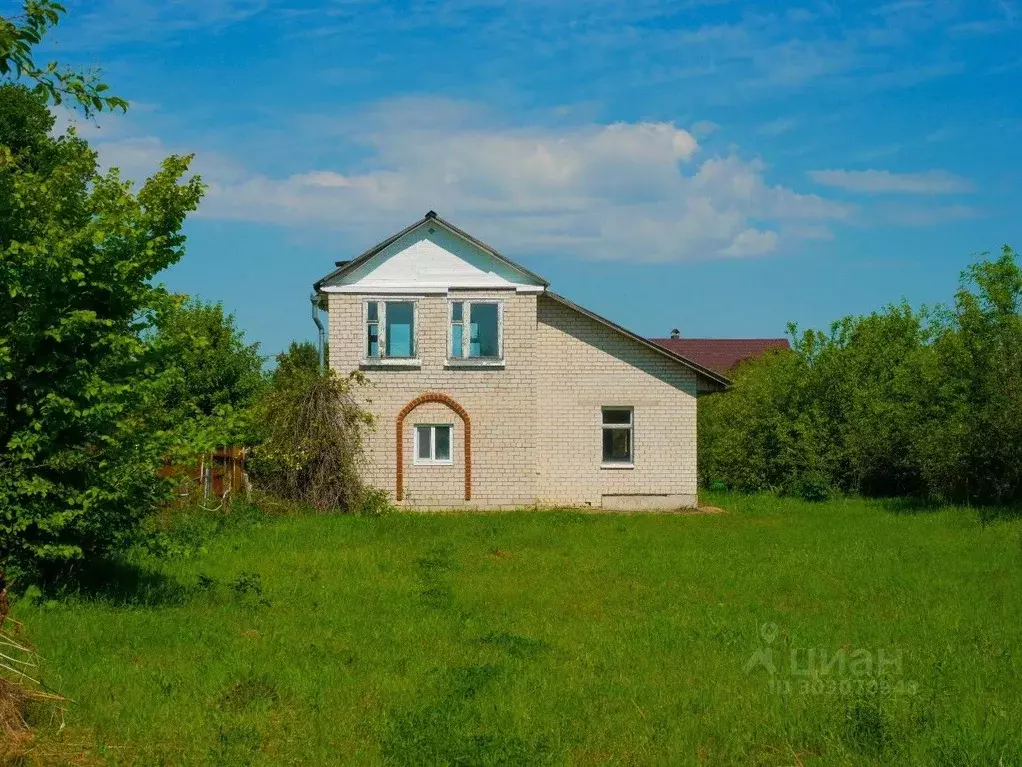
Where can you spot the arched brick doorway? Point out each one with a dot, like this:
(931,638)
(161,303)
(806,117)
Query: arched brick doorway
(453,405)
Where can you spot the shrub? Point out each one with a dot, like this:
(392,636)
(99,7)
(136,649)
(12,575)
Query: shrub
(312,430)
(811,487)
(375,503)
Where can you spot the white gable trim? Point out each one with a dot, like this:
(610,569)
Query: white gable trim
(391,288)
(431,255)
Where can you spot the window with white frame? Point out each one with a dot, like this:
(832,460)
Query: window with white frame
(389,329)
(434,444)
(476,330)
(618,448)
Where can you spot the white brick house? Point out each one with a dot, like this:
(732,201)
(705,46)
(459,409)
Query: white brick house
(491,391)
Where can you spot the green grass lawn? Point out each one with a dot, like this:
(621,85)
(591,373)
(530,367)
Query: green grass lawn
(563,638)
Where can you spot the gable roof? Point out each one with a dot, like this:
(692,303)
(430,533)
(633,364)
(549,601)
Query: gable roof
(345,267)
(720,354)
(716,376)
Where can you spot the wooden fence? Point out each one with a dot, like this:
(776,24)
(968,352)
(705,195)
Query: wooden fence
(217,474)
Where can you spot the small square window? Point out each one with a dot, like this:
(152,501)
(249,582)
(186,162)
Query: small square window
(434,444)
(389,331)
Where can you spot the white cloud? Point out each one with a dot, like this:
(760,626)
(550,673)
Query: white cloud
(885,182)
(629,191)
(102,125)
(751,242)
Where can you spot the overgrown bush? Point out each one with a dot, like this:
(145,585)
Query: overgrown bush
(813,487)
(311,436)
(922,404)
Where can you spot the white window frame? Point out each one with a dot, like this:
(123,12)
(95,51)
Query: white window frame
(431,461)
(630,426)
(381,324)
(466,333)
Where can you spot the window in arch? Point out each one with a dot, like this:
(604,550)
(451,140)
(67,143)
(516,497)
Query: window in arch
(434,444)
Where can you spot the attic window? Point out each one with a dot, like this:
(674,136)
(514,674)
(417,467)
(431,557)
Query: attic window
(389,330)
(476,332)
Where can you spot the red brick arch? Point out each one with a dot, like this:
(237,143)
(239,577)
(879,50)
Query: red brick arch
(422,399)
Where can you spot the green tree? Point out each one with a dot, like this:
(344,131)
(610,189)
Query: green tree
(969,438)
(911,403)
(218,369)
(79,363)
(20,33)
(300,357)
(213,377)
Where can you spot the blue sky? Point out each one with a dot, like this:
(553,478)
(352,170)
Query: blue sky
(721,167)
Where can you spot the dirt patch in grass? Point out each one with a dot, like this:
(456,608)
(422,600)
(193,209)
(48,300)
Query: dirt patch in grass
(708,510)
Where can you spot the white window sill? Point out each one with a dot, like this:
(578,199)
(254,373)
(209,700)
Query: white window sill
(473,362)
(432,463)
(391,362)
(617,465)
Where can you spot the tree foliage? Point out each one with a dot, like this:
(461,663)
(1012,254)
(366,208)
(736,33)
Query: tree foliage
(79,369)
(20,33)
(218,367)
(214,377)
(912,403)
(301,359)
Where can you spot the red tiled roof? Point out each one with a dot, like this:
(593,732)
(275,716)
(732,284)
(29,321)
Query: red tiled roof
(720,354)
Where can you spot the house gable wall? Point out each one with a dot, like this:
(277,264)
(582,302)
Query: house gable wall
(500,402)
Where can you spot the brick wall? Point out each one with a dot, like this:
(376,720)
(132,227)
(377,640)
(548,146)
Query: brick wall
(536,423)
(582,366)
(501,403)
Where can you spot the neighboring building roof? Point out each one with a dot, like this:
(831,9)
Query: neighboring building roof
(720,354)
(343,267)
(704,370)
